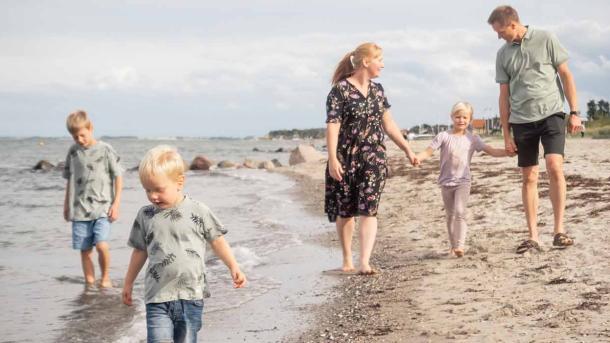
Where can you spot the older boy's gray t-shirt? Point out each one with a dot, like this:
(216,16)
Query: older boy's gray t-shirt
(456,153)
(91,172)
(175,240)
(530,69)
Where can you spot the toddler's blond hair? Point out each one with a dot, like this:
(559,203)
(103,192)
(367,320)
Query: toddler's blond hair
(161,160)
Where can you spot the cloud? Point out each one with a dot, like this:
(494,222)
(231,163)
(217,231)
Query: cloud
(282,77)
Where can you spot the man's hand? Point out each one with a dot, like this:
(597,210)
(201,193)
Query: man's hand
(574,124)
(510,147)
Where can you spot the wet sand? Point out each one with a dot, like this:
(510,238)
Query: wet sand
(491,294)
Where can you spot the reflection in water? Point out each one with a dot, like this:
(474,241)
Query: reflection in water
(98,315)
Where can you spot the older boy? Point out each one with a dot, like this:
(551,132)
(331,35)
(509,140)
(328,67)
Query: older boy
(172,233)
(93,195)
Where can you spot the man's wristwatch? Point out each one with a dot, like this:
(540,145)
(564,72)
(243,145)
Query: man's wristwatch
(575,113)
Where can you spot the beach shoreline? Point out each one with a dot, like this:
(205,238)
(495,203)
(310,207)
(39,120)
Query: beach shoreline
(492,294)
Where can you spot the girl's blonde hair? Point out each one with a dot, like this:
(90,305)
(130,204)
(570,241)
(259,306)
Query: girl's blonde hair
(77,120)
(354,60)
(161,160)
(462,107)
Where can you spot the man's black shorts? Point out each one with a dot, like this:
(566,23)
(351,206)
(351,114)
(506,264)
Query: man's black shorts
(551,131)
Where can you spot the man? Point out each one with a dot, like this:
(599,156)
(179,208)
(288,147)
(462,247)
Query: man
(529,68)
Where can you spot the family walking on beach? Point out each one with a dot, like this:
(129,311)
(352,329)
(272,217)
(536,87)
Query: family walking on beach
(172,232)
(534,79)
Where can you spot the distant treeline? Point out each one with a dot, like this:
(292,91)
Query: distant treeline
(296,133)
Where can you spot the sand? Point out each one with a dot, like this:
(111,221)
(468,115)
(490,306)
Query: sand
(491,294)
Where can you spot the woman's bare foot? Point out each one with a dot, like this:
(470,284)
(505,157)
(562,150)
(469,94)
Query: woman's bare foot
(459,252)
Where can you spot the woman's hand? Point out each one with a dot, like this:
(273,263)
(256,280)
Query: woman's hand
(335,169)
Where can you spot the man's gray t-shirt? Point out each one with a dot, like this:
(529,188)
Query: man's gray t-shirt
(530,69)
(91,173)
(175,240)
(456,153)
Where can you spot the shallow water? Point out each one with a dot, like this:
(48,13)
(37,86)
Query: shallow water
(269,231)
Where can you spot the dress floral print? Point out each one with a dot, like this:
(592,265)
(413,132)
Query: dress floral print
(360,150)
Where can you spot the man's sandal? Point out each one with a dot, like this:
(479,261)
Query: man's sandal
(527,245)
(562,240)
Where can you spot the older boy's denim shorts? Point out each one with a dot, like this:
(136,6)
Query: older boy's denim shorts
(86,234)
(175,321)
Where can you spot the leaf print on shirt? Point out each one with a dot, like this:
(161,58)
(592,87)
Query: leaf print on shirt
(183,281)
(173,214)
(192,253)
(155,248)
(150,211)
(198,221)
(155,270)
(149,237)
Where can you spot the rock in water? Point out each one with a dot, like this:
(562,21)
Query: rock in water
(304,153)
(201,163)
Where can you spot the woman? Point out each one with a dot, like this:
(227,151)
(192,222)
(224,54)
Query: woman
(358,117)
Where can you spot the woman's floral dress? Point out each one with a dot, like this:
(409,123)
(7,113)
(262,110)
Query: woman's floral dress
(360,150)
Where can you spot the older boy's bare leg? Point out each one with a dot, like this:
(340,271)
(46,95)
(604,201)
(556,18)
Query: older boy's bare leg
(557,188)
(368,232)
(345,230)
(87,263)
(529,193)
(103,255)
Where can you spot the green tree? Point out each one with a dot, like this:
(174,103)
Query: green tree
(602,108)
(591,110)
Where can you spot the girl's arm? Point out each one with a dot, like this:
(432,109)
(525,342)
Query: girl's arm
(495,152)
(390,127)
(424,155)
(332,137)
(138,258)
(223,251)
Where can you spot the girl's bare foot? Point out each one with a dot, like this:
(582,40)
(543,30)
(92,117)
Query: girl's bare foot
(451,252)
(459,252)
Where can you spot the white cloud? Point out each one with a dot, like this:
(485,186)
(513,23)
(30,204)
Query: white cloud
(427,68)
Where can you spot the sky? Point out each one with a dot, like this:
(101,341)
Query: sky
(243,68)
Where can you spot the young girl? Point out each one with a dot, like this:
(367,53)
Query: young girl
(457,146)
(358,119)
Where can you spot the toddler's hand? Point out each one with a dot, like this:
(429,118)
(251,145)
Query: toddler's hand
(239,278)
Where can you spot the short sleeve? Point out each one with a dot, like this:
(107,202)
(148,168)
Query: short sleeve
(334,105)
(557,52)
(67,172)
(501,74)
(386,104)
(114,165)
(208,224)
(437,141)
(137,236)
(478,143)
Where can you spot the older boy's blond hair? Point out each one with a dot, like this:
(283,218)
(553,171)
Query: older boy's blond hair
(462,107)
(77,120)
(161,160)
